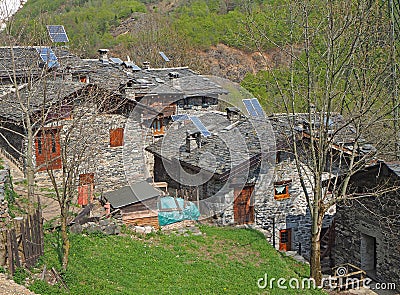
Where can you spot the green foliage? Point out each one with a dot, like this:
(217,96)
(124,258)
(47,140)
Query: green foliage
(87,22)
(20,275)
(223,261)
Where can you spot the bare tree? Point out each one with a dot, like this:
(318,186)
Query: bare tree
(343,71)
(77,126)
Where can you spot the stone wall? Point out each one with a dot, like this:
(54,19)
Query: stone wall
(360,225)
(291,213)
(4,216)
(113,167)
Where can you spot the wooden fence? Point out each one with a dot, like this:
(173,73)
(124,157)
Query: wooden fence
(25,242)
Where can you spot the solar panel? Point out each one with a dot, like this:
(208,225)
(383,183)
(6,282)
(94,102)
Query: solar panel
(258,107)
(57,34)
(200,126)
(250,108)
(48,56)
(181,117)
(116,60)
(164,56)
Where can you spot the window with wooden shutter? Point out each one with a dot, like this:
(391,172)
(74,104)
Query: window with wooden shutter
(116,137)
(48,149)
(281,190)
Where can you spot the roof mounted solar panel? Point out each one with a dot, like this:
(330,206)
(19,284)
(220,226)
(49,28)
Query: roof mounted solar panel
(250,108)
(258,107)
(116,60)
(48,56)
(200,126)
(57,34)
(164,56)
(180,117)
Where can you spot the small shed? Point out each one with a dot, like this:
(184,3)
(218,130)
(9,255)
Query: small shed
(137,203)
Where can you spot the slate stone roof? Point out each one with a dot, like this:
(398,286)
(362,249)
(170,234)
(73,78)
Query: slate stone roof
(127,195)
(25,60)
(50,90)
(224,150)
(394,167)
(343,133)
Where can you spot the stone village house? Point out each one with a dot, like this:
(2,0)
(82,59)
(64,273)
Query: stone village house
(236,187)
(277,205)
(367,228)
(67,83)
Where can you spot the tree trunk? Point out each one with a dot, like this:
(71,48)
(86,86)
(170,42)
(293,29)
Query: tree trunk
(65,239)
(315,258)
(30,170)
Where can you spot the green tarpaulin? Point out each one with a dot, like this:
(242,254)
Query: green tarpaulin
(171,210)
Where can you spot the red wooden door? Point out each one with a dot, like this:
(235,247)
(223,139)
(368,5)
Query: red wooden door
(243,207)
(85,189)
(285,240)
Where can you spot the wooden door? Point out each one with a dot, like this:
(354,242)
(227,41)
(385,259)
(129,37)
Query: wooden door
(285,240)
(85,189)
(243,207)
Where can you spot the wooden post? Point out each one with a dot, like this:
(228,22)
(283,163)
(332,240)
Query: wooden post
(198,198)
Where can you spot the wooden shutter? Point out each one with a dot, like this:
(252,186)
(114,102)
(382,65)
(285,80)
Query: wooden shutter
(48,149)
(116,137)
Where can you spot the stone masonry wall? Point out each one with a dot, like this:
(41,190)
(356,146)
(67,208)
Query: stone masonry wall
(370,219)
(113,167)
(291,213)
(4,216)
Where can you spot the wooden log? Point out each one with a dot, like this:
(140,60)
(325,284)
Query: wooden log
(28,243)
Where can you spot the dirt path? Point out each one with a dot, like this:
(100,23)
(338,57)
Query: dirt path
(9,287)
(50,208)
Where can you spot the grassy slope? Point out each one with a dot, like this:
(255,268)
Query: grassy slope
(224,261)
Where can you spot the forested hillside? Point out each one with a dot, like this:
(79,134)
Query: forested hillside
(245,41)
(208,35)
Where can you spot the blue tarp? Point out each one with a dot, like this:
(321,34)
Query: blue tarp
(171,210)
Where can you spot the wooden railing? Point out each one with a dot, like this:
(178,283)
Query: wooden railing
(9,157)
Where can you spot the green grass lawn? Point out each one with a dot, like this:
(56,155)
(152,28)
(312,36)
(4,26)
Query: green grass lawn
(221,261)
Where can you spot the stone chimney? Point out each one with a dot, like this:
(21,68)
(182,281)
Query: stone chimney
(146,65)
(103,54)
(193,141)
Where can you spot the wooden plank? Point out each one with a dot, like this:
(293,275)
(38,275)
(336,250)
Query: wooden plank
(10,254)
(14,245)
(23,240)
(41,232)
(28,243)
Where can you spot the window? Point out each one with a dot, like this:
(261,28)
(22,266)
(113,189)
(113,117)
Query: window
(285,239)
(158,127)
(281,190)
(53,143)
(117,137)
(39,145)
(48,150)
